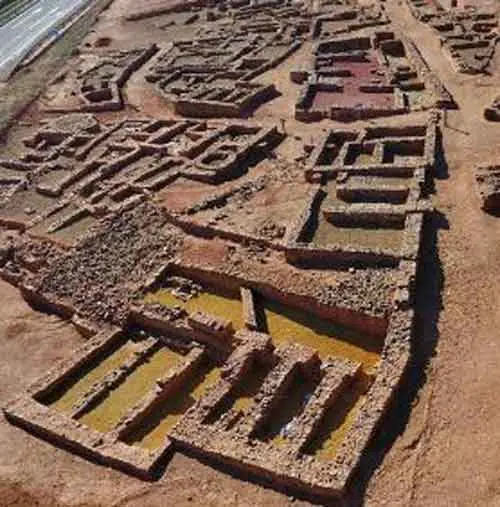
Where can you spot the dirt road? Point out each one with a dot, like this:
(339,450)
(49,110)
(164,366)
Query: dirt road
(446,456)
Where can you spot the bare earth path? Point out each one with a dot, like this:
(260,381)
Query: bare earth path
(444,451)
(33,472)
(447,455)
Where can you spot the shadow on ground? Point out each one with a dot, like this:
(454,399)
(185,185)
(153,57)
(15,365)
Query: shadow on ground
(430,282)
(428,305)
(426,335)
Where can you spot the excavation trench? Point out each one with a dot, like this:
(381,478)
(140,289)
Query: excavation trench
(291,325)
(70,392)
(108,413)
(154,429)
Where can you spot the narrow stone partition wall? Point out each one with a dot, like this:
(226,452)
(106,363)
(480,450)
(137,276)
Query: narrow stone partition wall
(305,421)
(249,310)
(376,73)
(101,402)
(369,201)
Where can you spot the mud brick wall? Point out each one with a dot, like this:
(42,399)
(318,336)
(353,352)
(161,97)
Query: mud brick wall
(197,108)
(213,109)
(291,359)
(221,329)
(212,231)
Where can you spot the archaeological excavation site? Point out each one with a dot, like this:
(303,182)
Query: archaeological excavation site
(249,253)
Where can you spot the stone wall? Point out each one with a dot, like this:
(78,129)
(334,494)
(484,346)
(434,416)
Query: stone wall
(32,410)
(375,326)
(328,72)
(99,88)
(488,184)
(460,31)
(232,439)
(492,112)
(74,167)
(363,199)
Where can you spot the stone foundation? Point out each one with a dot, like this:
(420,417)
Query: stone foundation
(99,88)
(488,183)
(33,412)
(492,113)
(365,77)
(468,36)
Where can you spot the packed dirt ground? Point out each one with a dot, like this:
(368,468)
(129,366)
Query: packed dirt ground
(437,444)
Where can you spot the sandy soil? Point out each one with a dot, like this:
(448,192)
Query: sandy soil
(33,472)
(446,454)
(439,444)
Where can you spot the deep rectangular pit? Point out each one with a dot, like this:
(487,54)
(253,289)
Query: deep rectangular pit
(338,419)
(352,193)
(240,399)
(401,151)
(106,415)
(371,219)
(71,390)
(152,430)
(288,324)
(327,234)
(361,154)
(388,131)
(279,421)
